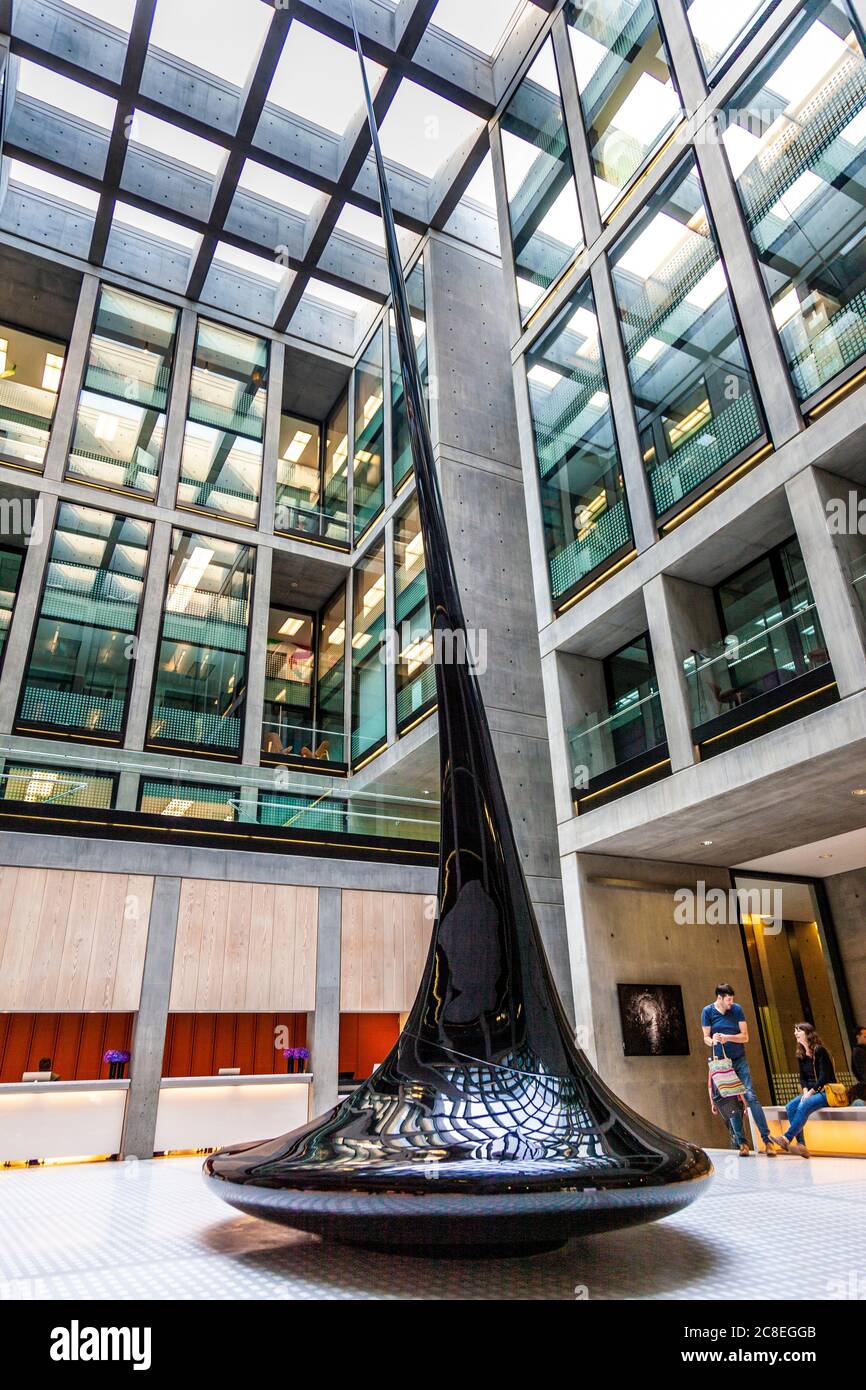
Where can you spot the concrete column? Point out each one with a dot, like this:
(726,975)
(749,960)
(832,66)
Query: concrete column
(257,651)
(26,608)
(509,271)
(583,176)
(668,613)
(640,503)
(271,442)
(147,646)
(824,555)
(581,974)
(477,453)
(74,367)
(126,797)
(323,1026)
(558,721)
(532,498)
(175,423)
(148,1038)
(683,53)
(390,627)
(783,414)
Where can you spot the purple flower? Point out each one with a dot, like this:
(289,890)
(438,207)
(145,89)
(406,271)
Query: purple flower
(303,1053)
(290,1053)
(115,1054)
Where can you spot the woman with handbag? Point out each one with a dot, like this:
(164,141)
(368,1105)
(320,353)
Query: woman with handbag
(817,1075)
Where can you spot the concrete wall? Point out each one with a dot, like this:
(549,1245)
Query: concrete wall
(847,896)
(621,925)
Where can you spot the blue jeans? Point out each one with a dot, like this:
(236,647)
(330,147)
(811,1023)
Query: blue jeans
(741,1067)
(799,1109)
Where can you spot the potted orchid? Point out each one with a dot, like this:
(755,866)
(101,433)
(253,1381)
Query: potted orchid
(117,1059)
(296,1054)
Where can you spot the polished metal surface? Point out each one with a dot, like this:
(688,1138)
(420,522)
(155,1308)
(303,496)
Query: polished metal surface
(486,1126)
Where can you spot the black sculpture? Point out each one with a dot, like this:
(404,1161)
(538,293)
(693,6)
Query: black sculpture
(485,1129)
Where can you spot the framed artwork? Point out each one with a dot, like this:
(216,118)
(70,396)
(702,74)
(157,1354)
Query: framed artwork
(653,1021)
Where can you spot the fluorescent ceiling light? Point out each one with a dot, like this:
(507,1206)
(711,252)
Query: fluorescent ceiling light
(278,188)
(544,376)
(422,130)
(799,192)
(599,400)
(164,138)
(64,94)
(481,25)
(709,288)
(319,80)
(297,446)
(807,64)
(117,12)
(653,247)
(786,308)
(51,371)
(221,36)
(650,106)
(291,626)
(249,263)
(43,182)
(128,216)
(741,147)
(191,574)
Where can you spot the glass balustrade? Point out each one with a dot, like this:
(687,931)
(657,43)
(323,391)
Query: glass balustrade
(612,737)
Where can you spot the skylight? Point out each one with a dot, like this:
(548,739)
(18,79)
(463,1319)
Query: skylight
(652,247)
(222,36)
(161,227)
(165,138)
(341,299)
(319,79)
(117,12)
(43,182)
(649,105)
(278,188)
(368,226)
(482,189)
(65,95)
(481,24)
(252,265)
(807,63)
(422,130)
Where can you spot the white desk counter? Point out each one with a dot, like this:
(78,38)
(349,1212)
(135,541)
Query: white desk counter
(60,1119)
(208,1112)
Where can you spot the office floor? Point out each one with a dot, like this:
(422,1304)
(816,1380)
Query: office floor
(766,1229)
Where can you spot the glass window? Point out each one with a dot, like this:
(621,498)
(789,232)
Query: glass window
(287,727)
(294,811)
(545,221)
(49,786)
(11,562)
(795,135)
(200,690)
(81,661)
(30,371)
(188,801)
(369,471)
(369,687)
(221,463)
(331,677)
(120,426)
(630,104)
(583,502)
(401,448)
(416,673)
(720,29)
(335,506)
(632,693)
(299,477)
(693,393)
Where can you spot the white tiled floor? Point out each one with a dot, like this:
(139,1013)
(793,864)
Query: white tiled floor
(765,1229)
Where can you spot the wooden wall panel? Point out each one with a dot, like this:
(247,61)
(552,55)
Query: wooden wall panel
(385,938)
(244,948)
(72,941)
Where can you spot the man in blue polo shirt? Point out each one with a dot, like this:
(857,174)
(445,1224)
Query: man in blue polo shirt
(724,1023)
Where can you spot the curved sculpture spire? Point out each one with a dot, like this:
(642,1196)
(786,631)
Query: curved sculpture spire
(485,1127)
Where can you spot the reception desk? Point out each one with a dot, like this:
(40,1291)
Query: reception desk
(57,1120)
(208,1112)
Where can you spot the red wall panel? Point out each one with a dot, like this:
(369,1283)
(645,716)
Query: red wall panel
(75,1043)
(199,1044)
(365,1040)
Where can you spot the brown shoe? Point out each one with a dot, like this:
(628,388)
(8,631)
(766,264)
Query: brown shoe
(779,1140)
(745,1151)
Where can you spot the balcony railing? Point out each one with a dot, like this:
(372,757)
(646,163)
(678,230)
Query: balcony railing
(301,517)
(755,670)
(619,744)
(301,742)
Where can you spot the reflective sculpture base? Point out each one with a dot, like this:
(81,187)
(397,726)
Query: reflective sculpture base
(465,1161)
